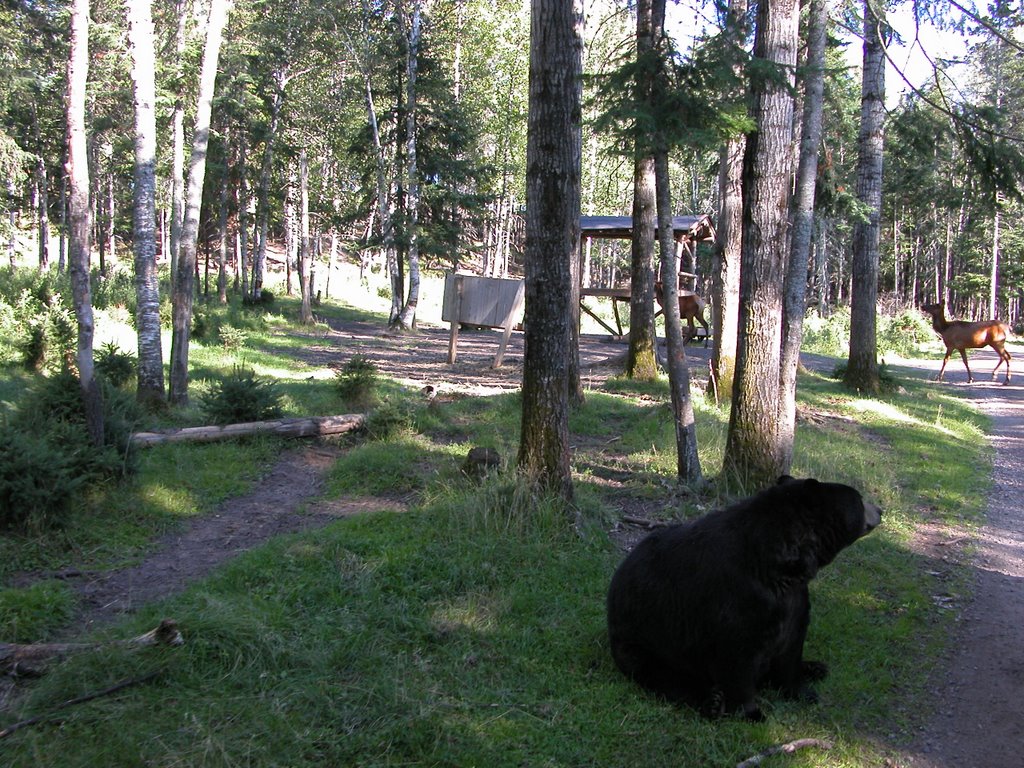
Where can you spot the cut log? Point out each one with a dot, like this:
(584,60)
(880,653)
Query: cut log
(21,659)
(314,426)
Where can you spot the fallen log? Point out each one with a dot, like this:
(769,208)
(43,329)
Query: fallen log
(313,426)
(19,659)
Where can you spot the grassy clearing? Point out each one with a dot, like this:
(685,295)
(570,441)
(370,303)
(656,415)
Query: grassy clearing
(470,630)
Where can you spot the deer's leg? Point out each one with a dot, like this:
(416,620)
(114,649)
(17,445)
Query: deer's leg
(963,354)
(1004,357)
(944,361)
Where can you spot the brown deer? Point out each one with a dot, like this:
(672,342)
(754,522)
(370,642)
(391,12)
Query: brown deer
(962,335)
(691,306)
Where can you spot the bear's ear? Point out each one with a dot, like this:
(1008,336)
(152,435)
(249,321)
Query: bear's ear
(783,479)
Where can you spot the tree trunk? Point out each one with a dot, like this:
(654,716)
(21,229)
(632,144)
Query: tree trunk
(178,141)
(184,287)
(407,318)
(222,253)
(78,175)
(243,214)
(305,260)
(281,79)
(291,243)
(43,197)
(384,206)
(751,455)
(862,367)
(725,270)
(993,285)
(795,303)
(150,390)
(642,362)
(687,460)
(552,238)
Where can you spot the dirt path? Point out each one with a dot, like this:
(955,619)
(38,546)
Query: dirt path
(979,719)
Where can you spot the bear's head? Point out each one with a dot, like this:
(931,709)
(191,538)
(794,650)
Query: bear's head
(822,519)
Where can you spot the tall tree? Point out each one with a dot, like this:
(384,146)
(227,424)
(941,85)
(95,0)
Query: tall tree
(794,306)
(407,317)
(642,360)
(178,136)
(147,288)
(78,175)
(552,237)
(751,455)
(687,459)
(862,367)
(725,270)
(184,285)
(305,260)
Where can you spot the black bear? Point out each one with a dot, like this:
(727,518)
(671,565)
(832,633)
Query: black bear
(709,611)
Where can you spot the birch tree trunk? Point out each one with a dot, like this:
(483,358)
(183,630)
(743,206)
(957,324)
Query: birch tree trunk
(407,318)
(795,301)
(263,192)
(43,198)
(385,209)
(178,141)
(184,287)
(78,175)
(552,238)
(222,226)
(150,390)
(243,214)
(305,262)
(751,454)
(862,367)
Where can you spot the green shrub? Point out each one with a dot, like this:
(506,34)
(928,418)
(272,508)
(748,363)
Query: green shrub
(392,419)
(231,338)
(904,333)
(226,325)
(53,410)
(48,333)
(116,289)
(115,366)
(827,335)
(357,381)
(36,482)
(242,396)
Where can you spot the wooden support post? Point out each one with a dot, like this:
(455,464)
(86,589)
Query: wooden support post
(510,321)
(453,336)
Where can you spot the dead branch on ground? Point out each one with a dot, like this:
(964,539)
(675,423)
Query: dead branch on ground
(788,748)
(26,660)
(5,732)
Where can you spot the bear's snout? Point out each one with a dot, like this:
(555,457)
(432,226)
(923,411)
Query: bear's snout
(872,517)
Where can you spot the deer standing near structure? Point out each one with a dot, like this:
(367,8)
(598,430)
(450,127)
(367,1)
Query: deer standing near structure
(691,306)
(962,335)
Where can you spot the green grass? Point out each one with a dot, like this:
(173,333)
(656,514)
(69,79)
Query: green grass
(470,630)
